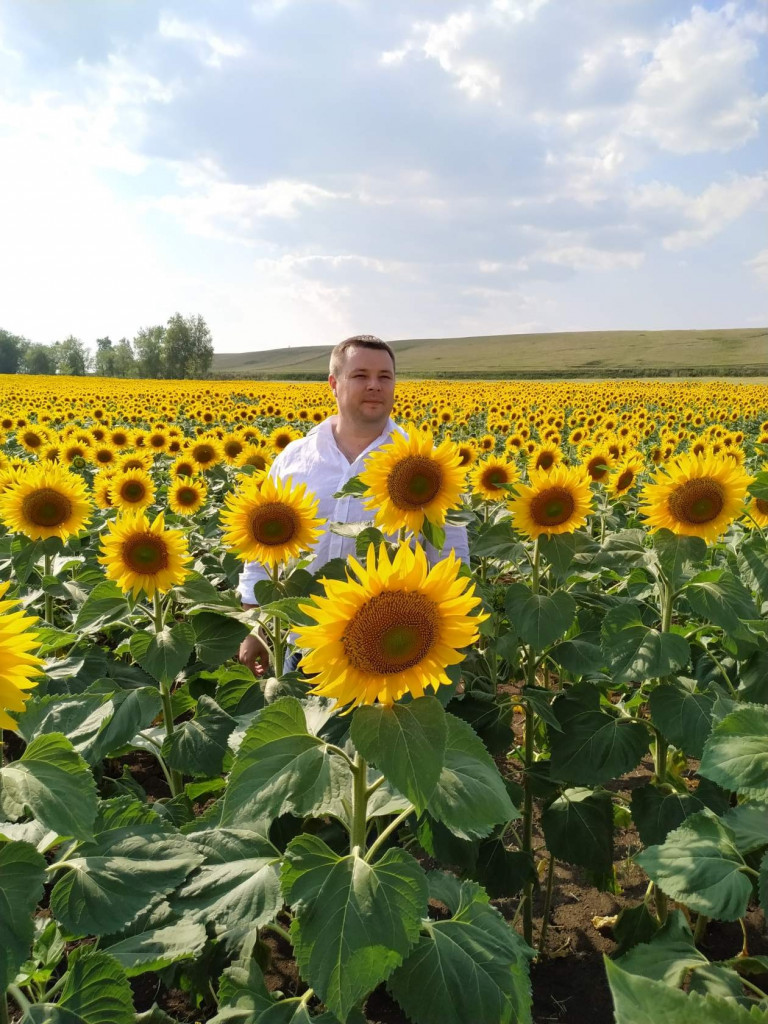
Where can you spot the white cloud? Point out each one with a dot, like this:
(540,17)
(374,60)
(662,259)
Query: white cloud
(586,257)
(695,95)
(212,48)
(759,264)
(705,215)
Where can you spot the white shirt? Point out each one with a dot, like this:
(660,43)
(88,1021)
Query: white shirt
(316,460)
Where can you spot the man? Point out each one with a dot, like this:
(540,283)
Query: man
(362,378)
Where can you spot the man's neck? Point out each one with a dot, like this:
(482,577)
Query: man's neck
(352,439)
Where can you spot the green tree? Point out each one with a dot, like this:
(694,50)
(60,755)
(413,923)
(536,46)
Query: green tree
(188,348)
(104,362)
(12,348)
(149,348)
(123,359)
(39,359)
(72,357)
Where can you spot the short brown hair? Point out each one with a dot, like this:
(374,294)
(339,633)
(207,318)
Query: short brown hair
(339,353)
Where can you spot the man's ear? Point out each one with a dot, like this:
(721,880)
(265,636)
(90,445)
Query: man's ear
(332,382)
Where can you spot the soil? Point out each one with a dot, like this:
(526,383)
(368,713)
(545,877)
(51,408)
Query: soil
(568,980)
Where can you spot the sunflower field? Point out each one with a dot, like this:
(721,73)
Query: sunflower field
(393,829)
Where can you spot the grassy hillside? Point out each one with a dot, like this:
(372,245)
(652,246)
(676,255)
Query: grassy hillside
(582,353)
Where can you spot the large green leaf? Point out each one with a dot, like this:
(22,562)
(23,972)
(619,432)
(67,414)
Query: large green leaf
(243,995)
(163,655)
(355,922)
(675,552)
(121,872)
(52,782)
(295,1011)
(683,716)
(593,746)
(736,754)
(658,810)
(156,948)
(132,711)
(637,1000)
(669,955)
(406,742)
(752,557)
(50,1013)
(581,654)
(699,865)
(717,595)
(236,888)
(97,989)
(470,797)
(471,967)
(198,745)
(749,822)
(282,768)
(105,603)
(22,873)
(217,637)
(539,619)
(578,827)
(635,652)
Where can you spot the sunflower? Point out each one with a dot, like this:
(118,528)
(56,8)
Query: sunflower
(183,466)
(205,453)
(598,463)
(557,501)
(232,446)
(103,455)
(391,631)
(47,501)
(623,476)
(142,556)
(119,437)
(18,665)
(270,521)
(281,437)
(489,477)
(75,453)
(132,490)
(186,495)
(134,460)
(32,439)
(256,456)
(545,456)
(467,453)
(102,488)
(411,480)
(695,496)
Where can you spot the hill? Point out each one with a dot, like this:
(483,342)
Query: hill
(733,352)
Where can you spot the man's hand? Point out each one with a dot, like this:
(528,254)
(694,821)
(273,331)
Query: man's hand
(254,654)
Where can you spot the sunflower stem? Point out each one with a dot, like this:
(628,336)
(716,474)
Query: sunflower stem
(3,1009)
(530,726)
(278,646)
(661,746)
(47,563)
(157,611)
(359,805)
(547,903)
(176,782)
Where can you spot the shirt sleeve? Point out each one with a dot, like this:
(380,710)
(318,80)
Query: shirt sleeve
(255,571)
(456,540)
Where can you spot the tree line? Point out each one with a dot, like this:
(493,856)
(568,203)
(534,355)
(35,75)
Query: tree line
(181,348)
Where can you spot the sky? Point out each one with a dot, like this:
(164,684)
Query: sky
(297,171)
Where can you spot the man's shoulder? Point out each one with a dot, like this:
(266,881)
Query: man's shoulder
(296,454)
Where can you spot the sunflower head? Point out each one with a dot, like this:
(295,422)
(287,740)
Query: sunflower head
(186,495)
(46,501)
(393,627)
(557,501)
(491,477)
(411,480)
(695,496)
(624,474)
(143,556)
(133,490)
(270,521)
(18,665)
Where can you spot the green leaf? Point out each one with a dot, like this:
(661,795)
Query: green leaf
(540,702)
(763,883)
(752,558)
(675,552)
(243,995)
(121,872)
(353,486)
(54,783)
(700,865)
(132,711)
(594,746)
(236,888)
(52,640)
(639,1001)
(294,1011)
(539,619)
(581,654)
(503,872)
(97,989)
(355,922)
(105,603)
(163,655)
(470,797)
(717,595)
(196,589)
(495,540)
(578,828)
(281,768)
(370,535)
(406,742)
(198,746)
(471,967)
(635,652)
(635,924)
(25,555)
(217,637)
(22,873)
(156,948)
(749,822)
(657,811)
(668,956)
(683,716)
(736,754)
(759,486)
(433,534)
(50,1013)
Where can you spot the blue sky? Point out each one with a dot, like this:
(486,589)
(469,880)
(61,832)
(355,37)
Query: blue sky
(300,170)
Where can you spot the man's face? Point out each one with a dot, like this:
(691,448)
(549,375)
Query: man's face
(365,387)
